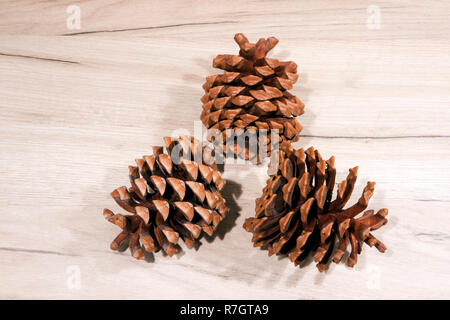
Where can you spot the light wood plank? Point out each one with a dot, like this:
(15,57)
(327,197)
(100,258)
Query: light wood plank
(77,106)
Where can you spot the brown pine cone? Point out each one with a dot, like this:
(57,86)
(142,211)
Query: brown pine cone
(172,195)
(296,214)
(251,98)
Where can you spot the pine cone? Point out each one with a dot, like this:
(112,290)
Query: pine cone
(296,214)
(250,98)
(163,209)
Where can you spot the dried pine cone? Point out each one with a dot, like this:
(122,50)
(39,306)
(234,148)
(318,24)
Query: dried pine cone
(169,199)
(296,214)
(250,98)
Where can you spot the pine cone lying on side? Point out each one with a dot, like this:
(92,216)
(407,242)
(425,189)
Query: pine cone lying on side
(251,96)
(296,214)
(169,200)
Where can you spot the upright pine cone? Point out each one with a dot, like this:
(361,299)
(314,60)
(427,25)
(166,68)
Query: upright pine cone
(296,214)
(169,199)
(252,95)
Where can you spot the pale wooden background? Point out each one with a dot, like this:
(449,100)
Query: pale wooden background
(77,106)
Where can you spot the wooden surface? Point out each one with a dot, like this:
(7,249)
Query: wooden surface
(78,105)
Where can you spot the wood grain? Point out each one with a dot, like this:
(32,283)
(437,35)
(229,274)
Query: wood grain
(77,106)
